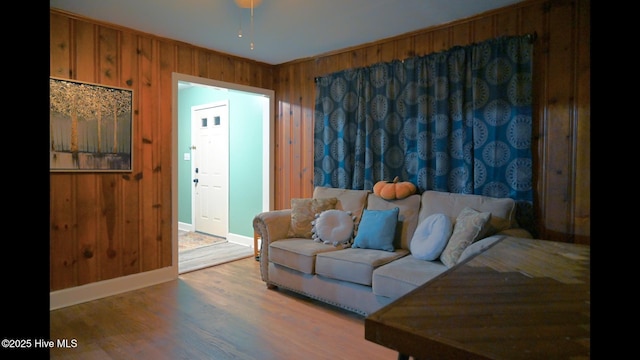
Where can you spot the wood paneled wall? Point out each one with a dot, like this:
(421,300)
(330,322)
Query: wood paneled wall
(108,225)
(561,128)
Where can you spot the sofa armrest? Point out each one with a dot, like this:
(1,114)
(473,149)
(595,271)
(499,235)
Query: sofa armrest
(516,232)
(479,246)
(270,226)
(483,244)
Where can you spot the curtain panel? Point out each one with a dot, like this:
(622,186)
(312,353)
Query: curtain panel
(458,121)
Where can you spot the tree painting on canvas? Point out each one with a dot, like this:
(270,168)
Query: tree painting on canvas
(90,126)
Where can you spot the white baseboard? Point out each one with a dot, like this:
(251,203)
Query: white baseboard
(186,227)
(240,240)
(79,294)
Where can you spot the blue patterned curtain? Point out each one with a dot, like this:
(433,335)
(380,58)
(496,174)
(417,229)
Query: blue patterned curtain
(456,121)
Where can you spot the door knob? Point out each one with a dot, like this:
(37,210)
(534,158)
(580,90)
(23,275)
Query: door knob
(195,180)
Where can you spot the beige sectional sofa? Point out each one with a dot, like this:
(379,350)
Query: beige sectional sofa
(362,279)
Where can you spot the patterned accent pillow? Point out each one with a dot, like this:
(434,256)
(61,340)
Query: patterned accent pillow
(303,211)
(469,227)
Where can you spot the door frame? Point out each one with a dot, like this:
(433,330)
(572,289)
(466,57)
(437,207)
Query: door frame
(268,153)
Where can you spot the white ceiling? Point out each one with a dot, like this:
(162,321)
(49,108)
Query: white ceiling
(284,30)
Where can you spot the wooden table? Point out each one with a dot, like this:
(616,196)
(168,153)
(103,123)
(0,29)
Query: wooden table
(520,299)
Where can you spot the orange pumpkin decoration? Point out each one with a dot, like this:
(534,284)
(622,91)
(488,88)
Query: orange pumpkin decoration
(392,190)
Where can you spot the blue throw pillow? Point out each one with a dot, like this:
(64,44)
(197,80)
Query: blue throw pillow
(377,229)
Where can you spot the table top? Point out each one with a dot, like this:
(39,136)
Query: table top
(519,299)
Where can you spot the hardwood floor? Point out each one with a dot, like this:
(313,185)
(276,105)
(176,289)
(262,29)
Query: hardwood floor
(222,312)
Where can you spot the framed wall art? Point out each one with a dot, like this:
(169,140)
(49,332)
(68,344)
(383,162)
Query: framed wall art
(91,127)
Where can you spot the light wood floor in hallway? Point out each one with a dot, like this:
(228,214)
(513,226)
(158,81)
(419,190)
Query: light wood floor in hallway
(221,312)
(198,250)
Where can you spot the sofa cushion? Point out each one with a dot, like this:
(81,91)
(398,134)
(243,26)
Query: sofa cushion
(403,275)
(469,227)
(297,253)
(502,210)
(303,211)
(348,200)
(407,217)
(430,237)
(354,265)
(377,229)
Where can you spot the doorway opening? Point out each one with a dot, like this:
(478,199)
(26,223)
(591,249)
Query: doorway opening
(241,208)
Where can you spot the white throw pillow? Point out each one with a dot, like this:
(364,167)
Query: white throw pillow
(333,227)
(431,237)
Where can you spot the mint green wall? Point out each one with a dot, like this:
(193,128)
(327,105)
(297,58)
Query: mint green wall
(245,154)
(246,151)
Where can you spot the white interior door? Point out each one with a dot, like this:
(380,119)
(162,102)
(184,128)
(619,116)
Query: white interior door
(210,167)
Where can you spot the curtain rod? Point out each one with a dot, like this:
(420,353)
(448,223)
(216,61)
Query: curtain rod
(532,37)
